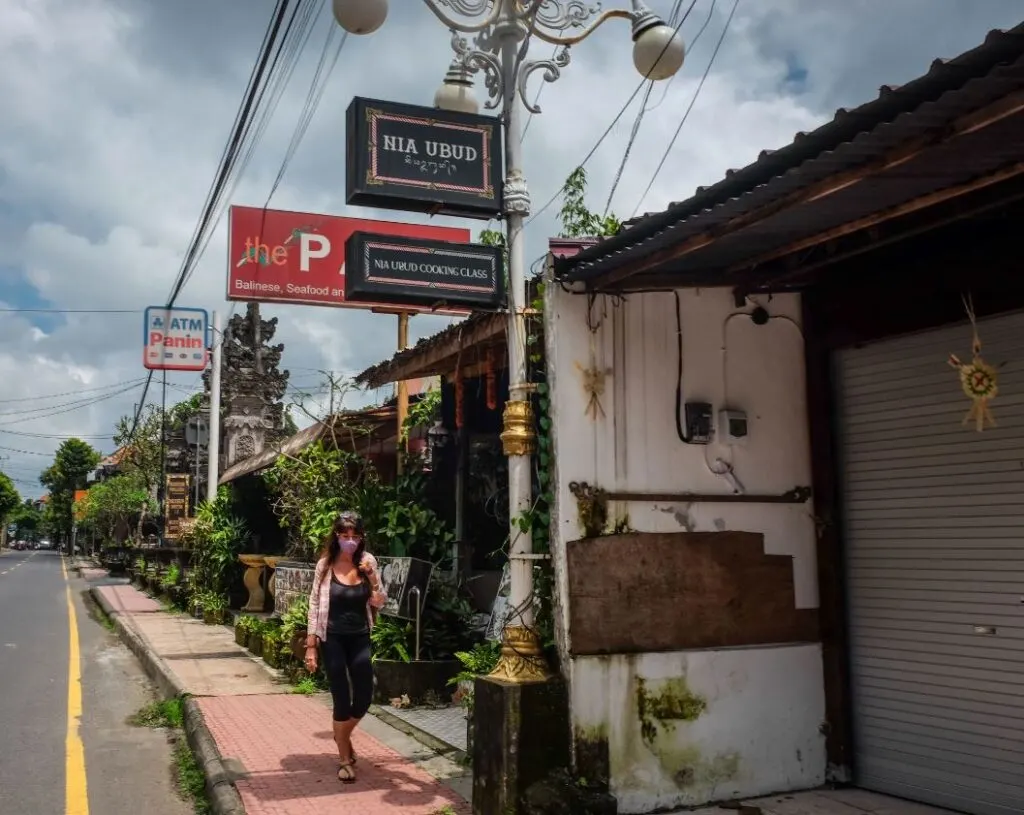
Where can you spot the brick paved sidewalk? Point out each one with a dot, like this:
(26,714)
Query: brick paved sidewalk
(286,746)
(282,741)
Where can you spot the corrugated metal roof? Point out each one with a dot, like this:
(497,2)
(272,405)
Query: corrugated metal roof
(851,138)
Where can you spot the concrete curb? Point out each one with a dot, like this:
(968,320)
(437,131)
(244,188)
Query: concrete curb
(220,788)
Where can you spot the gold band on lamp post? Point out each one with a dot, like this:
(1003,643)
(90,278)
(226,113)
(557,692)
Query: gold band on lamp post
(522,659)
(519,437)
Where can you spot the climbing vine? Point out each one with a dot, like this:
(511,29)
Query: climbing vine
(577,221)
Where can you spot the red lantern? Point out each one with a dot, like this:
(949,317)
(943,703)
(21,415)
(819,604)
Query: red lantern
(458,400)
(492,382)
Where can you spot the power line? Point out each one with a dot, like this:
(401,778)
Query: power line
(230,154)
(693,43)
(76,406)
(240,129)
(25,452)
(673,20)
(314,96)
(73,403)
(312,103)
(28,435)
(71,310)
(72,393)
(607,130)
(277,80)
(686,114)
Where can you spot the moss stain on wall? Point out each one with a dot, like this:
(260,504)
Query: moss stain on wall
(592,755)
(671,702)
(660,706)
(690,769)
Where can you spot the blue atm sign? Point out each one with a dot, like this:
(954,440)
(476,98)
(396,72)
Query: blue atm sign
(175,339)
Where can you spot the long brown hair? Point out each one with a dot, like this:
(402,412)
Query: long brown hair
(331,547)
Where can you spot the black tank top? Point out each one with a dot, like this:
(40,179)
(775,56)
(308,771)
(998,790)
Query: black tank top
(347,611)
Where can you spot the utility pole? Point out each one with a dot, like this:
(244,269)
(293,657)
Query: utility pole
(161,490)
(213,453)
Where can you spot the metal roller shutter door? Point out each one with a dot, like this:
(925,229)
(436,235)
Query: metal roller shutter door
(934,538)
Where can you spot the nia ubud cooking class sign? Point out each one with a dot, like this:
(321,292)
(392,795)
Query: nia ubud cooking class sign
(422,159)
(418,272)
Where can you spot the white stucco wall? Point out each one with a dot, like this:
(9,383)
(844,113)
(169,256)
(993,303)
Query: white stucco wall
(765,705)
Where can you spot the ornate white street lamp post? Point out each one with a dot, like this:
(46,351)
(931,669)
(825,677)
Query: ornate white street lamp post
(500,30)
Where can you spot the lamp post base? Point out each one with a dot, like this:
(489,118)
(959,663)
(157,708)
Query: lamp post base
(520,734)
(522,658)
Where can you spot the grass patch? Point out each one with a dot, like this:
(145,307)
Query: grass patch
(169,713)
(189,778)
(96,612)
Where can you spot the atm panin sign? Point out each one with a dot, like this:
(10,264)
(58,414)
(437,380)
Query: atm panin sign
(175,339)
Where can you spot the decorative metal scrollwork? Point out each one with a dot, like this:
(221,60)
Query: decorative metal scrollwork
(552,71)
(561,15)
(475,60)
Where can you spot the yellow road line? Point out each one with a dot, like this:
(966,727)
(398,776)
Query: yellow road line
(76,793)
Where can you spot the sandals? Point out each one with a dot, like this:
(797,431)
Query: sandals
(346,775)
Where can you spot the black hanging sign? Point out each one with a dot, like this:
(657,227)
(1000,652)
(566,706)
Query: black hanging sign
(419,272)
(422,159)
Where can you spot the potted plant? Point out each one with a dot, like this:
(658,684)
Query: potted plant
(244,626)
(139,571)
(293,632)
(169,581)
(444,630)
(214,607)
(272,645)
(479,661)
(255,640)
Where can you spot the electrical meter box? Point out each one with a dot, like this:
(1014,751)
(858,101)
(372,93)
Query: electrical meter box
(732,427)
(698,422)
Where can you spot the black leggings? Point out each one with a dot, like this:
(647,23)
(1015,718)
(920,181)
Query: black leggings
(347,656)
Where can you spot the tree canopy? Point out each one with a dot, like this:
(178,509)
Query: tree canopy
(72,463)
(121,501)
(141,450)
(9,498)
(27,518)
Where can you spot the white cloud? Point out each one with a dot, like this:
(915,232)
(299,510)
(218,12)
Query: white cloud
(115,113)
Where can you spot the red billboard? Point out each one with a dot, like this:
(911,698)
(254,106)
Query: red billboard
(299,258)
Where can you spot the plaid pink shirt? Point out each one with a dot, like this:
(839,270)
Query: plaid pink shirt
(320,597)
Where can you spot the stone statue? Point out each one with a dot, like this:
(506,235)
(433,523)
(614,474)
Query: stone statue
(252,386)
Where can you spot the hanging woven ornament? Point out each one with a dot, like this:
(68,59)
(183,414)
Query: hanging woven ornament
(491,381)
(459,400)
(977,378)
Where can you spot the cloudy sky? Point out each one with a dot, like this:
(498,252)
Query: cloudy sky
(114,114)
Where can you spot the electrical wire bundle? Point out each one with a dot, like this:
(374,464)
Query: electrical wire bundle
(284,40)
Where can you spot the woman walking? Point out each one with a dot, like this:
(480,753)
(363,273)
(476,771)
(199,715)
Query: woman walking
(342,604)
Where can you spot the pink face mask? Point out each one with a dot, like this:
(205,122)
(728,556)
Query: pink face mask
(348,545)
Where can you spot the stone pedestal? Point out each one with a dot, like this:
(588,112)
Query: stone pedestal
(272,561)
(521,735)
(253,581)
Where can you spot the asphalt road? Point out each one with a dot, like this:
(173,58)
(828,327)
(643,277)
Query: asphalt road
(128,768)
